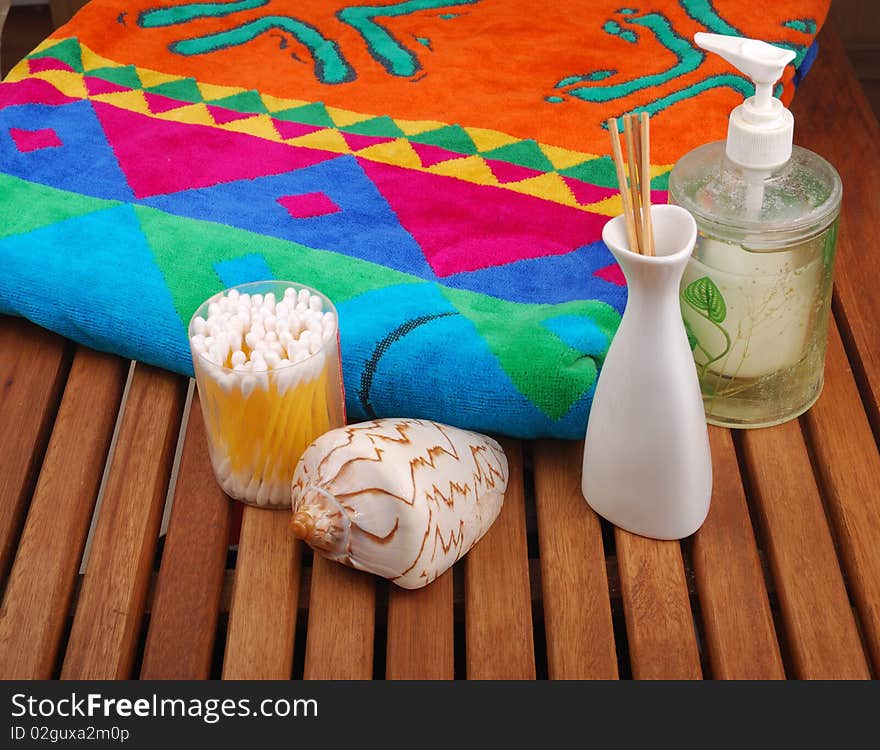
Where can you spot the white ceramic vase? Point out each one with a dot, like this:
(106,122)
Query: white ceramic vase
(647,466)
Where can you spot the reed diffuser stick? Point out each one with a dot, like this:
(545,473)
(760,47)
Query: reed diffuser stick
(632,163)
(635,194)
(621,182)
(645,178)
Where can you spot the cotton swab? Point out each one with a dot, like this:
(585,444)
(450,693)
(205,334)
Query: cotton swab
(258,359)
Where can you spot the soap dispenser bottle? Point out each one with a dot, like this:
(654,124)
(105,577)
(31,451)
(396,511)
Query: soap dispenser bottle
(756,294)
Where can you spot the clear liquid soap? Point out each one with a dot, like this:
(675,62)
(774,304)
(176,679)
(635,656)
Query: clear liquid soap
(756,294)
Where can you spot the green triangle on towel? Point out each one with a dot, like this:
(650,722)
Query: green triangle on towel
(308,114)
(450,137)
(380,126)
(46,205)
(67,51)
(524,153)
(185,90)
(538,349)
(599,171)
(246,101)
(189,274)
(125,76)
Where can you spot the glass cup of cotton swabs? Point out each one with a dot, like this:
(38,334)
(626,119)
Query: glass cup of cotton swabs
(267,366)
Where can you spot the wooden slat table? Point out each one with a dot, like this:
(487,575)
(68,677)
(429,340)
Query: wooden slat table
(783,580)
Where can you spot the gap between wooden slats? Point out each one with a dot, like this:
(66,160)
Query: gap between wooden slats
(341,627)
(108,617)
(822,637)
(835,120)
(33,369)
(576,601)
(735,609)
(37,600)
(848,466)
(498,613)
(659,624)
(183,623)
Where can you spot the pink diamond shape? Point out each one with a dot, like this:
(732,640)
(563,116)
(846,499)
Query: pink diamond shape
(308,205)
(612,274)
(34,140)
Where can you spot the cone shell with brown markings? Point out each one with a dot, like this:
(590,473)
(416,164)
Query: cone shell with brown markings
(401,498)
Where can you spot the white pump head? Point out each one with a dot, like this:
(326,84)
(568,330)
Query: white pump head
(760,131)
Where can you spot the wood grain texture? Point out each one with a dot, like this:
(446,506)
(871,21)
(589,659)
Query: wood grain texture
(498,612)
(342,620)
(822,636)
(420,632)
(577,605)
(659,624)
(262,616)
(38,595)
(847,460)
(737,620)
(107,623)
(33,367)
(835,120)
(180,640)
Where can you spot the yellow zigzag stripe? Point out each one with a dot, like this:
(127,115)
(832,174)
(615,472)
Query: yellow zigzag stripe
(469,168)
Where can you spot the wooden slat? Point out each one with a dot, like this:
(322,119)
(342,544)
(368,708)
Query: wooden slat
(262,617)
(38,595)
(737,620)
(822,634)
(835,120)
(577,606)
(342,617)
(107,623)
(183,623)
(659,625)
(849,464)
(498,612)
(32,373)
(420,632)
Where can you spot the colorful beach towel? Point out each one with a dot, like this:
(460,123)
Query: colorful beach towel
(438,168)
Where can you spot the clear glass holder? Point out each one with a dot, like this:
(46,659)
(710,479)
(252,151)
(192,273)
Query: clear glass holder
(259,421)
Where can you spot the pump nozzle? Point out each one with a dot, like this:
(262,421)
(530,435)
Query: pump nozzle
(760,132)
(761,62)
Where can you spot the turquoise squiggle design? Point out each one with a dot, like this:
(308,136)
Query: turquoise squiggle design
(688,60)
(330,65)
(385,49)
(729,80)
(702,11)
(175,14)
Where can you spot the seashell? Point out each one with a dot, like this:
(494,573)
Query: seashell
(401,498)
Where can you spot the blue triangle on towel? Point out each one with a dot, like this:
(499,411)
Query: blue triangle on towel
(107,291)
(553,279)
(364,227)
(83,163)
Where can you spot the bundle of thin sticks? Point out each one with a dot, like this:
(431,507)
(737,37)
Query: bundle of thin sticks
(636,194)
